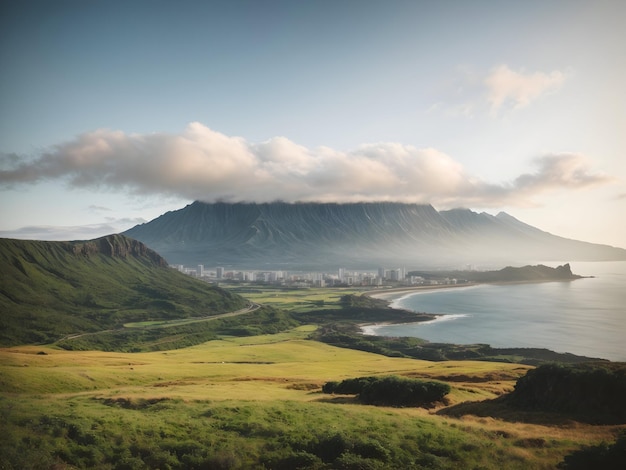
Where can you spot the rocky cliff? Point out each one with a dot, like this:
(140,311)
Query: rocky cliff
(116,246)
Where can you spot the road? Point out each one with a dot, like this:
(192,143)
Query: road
(251,307)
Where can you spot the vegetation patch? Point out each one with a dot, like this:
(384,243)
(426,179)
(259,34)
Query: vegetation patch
(391,391)
(85,433)
(593,392)
(55,290)
(265,320)
(604,456)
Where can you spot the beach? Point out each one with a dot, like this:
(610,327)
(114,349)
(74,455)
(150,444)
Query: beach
(396,293)
(585,317)
(393,294)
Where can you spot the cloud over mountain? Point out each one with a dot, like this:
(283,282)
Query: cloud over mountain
(203,164)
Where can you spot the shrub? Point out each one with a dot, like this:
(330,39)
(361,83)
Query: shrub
(607,457)
(593,391)
(329,448)
(356,462)
(293,461)
(330,387)
(400,391)
(390,390)
(348,386)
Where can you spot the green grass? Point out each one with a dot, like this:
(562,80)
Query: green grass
(161,336)
(293,299)
(171,433)
(256,402)
(49,290)
(234,392)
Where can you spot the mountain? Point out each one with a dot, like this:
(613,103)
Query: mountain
(358,235)
(52,289)
(508,274)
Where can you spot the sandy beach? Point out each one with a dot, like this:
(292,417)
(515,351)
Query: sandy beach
(392,294)
(398,292)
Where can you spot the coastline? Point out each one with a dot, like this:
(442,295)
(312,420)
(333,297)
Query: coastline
(541,350)
(392,294)
(396,293)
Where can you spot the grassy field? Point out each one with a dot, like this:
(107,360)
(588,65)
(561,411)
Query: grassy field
(295,300)
(256,402)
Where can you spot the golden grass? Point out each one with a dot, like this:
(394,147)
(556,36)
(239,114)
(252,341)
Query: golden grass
(256,368)
(282,367)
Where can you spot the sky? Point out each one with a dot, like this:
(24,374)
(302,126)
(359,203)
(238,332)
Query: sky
(115,112)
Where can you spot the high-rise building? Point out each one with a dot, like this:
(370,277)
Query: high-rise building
(200,270)
(219,272)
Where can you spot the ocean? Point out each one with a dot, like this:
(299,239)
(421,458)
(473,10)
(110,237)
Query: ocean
(585,316)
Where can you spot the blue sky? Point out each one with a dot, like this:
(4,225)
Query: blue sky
(114,112)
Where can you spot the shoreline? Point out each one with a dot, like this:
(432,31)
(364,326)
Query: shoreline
(396,293)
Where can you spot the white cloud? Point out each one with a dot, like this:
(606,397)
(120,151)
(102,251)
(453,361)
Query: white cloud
(506,87)
(471,93)
(206,165)
(564,170)
(48,232)
(95,208)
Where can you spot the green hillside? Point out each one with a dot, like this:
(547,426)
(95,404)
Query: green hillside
(52,289)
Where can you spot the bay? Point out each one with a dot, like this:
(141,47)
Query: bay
(585,316)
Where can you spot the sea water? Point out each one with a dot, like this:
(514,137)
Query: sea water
(585,316)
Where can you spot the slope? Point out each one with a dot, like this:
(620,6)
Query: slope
(359,235)
(52,289)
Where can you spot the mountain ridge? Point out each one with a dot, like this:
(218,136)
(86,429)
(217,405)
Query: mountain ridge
(52,289)
(360,235)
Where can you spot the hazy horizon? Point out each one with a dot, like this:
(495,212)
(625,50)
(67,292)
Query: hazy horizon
(115,113)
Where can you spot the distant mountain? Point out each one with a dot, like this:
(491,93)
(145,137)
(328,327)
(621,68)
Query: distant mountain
(358,235)
(52,289)
(508,274)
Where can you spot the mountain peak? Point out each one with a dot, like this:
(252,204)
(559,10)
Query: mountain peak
(358,235)
(116,246)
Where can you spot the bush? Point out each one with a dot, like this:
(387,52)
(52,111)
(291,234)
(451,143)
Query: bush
(593,392)
(400,391)
(356,462)
(348,386)
(390,390)
(293,461)
(606,457)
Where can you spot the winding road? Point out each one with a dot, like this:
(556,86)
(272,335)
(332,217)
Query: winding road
(251,307)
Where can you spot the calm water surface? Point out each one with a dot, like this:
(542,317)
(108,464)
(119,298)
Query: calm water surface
(585,316)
